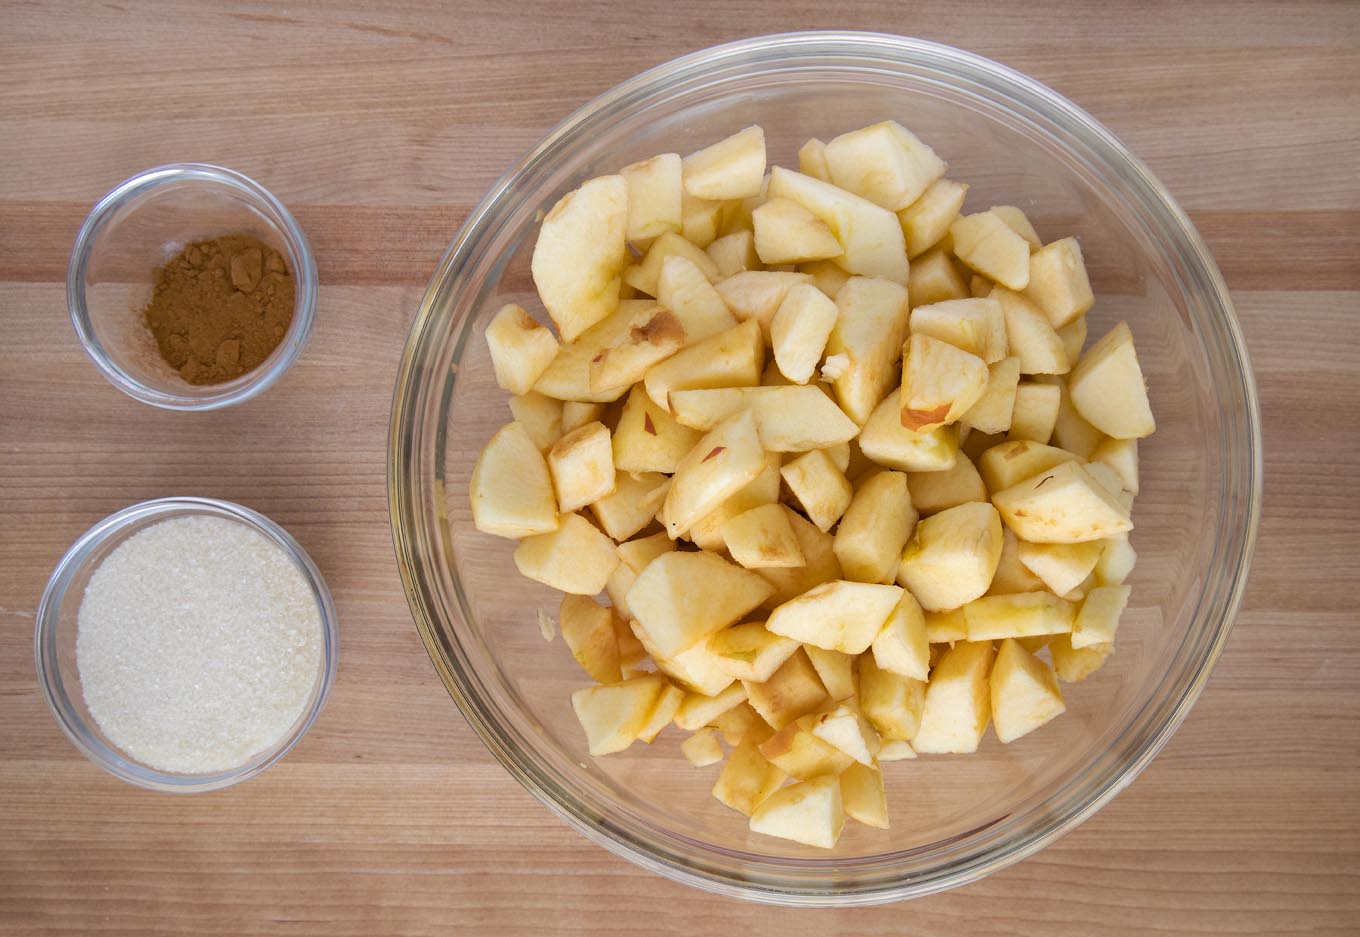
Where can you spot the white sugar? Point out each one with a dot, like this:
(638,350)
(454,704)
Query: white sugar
(198,644)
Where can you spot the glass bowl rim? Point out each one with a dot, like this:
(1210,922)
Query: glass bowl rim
(410,402)
(76,559)
(271,209)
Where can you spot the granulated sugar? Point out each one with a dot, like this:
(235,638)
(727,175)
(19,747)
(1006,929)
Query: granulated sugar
(198,644)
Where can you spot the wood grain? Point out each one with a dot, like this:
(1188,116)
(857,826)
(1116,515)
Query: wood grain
(382,127)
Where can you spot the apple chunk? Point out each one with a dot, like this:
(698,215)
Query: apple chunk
(521,349)
(747,780)
(1064,504)
(1058,283)
(875,527)
(870,235)
(1023,615)
(588,629)
(887,442)
(870,328)
(836,616)
(722,463)
(1024,692)
(580,254)
(809,812)
(574,558)
(958,701)
(1107,387)
(763,538)
(731,168)
(750,652)
(787,233)
(799,331)
(951,558)
(613,715)
(939,382)
(991,247)
(674,615)
(885,163)
(511,490)
(582,466)
(927,220)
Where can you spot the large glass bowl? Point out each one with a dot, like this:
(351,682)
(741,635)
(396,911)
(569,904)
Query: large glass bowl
(954,818)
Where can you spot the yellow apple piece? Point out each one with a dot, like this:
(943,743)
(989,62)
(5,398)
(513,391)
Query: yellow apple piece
(731,168)
(762,538)
(837,616)
(939,382)
(540,416)
(1029,336)
(574,558)
(733,253)
(702,748)
(747,780)
(750,652)
(645,277)
(935,278)
(699,709)
(789,418)
(792,691)
(809,812)
(1073,336)
(1098,619)
(1074,665)
(651,337)
(648,439)
(870,328)
(578,413)
(674,615)
(613,714)
(885,163)
(946,627)
(870,235)
(757,294)
(1107,387)
(1022,615)
(952,556)
(706,532)
(696,669)
(742,723)
(1117,559)
(582,466)
(819,487)
(1061,566)
(891,702)
(701,219)
(895,750)
(521,349)
(722,462)
(580,253)
(875,527)
(1058,283)
(812,160)
(787,233)
(683,289)
(663,711)
(827,275)
(975,325)
(1121,455)
(926,221)
(799,753)
(1011,462)
(902,646)
(654,187)
(1035,413)
(836,671)
(511,489)
(991,247)
(1024,692)
(1070,429)
(887,442)
(846,729)
(862,794)
(729,359)
(800,329)
(632,504)
(958,701)
(1064,504)
(567,376)
(1016,220)
(933,492)
(588,629)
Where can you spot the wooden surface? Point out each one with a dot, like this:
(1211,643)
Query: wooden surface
(381,129)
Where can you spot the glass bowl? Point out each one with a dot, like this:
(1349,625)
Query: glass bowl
(954,818)
(55,642)
(132,232)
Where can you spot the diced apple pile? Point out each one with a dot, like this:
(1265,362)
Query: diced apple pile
(832,449)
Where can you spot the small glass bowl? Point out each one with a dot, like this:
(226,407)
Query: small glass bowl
(139,226)
(55,641)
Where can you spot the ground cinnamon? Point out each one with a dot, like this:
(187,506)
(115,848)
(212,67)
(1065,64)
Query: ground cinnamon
(220,307)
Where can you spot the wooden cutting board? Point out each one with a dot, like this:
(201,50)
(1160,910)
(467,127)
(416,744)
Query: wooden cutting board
(382,128)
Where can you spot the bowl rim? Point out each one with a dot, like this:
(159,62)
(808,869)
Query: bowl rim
(1234,563)
(246,386)
(77,558)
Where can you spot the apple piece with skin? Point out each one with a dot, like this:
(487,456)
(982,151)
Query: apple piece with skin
(706,532)
(836,616)
(651,337)
(702,748)
(673,616)
(799,753)
(1064,504)
(1023,615)
(521,349)
(574,558)
(582,466)
(731,168)
(733,253)
(720,465)
(540,416)
(580,254)
(885,441)
(747,780)
(645,277)
(729,359)
(1058,283)
(792,691)
(846,729)
(958,701)
(988,245)
(939,383)
(588,629)
(902,646)
(1098,618)
(1107,387)
(663,711)
(935,278)
(699,709)
(800,329)
(952,556)
(891,702)
(1029,336)
(809,812)
(567,377)
(789,418)
(933,492)
(925,221)
(750,652)
(763,538)
(648,438)
(787,233)
(975,325)
(820,487)
(683,289)
(875,527)
(613,715)
(654,188)
(1024,692)
(511,489)
(862,794)
(1035,413)
(884,163)
(871,325)
(869,234)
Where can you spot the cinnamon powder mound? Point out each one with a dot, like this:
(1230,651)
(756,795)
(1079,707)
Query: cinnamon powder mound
(220,307)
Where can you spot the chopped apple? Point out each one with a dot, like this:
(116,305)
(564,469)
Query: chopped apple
(652,336)
(1070,429)
(975,325)
(511,490)
(1058,283)
(1024,692)
(812,160)
(577,413)
(636,554)
(789,418)
(742,723)
(819,487)
(722,462)
(895,750)
(1064,504)
(837,616)
(521,349)
(1121,455)
(869,234)
(875,527)
(1022,615)
(699,709)
(648,438)
(697,669)
(933,492)
(799,331)
(951,557)
(588,629)
(836,670)
(787,233)
(582,466)
(700,219)
(706,532)
(702,749)
(1061,566)
(1015,220)
(750,652)
(1117,559)
(663,711)
(670,612)
(792,691)
(809,812)
(731,168)
(1012,575)
(654,187)
(885,163)
(935,278)
(757,294)
(580,254)
(1108,390)
(733,253)
(645,277)
(1030,337)
(747,780)
(891,702)
(839,454)
(574,558)
(540,416)
(730,359)
(616,587)
(683,289)
(927,220)
(799,753)
(870,328)
(988,245)
(939,382)
(1098,618)
(862,794)
(846,729)
(1036,411)
(902,645)
(1011,462)
(827,276)
(632,504)
(958,701)
(614,714)
(946,627)
(1073,336)
(567,377)
(886,441)
(1074,665)
(762,538)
